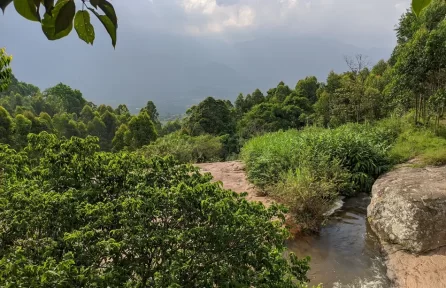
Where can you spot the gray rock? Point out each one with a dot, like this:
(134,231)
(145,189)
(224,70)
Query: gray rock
(408,208)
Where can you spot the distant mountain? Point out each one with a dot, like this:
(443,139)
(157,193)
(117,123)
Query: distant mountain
(175,71)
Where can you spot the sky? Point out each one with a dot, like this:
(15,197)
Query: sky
(177,52)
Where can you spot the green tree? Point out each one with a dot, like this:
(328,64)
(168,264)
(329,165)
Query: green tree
(22,88)
(104,108)
(22,128)
(59,17)
(65,126)
(210,117)
(111,124)
(123,113)
(279,93)
(87,114)
(142,130)
(307,88)
(122,139)
(40,104)
(269,117)
(68,99)
(171,127)
(151,110)
(5,70)
(6,126)
(96,127)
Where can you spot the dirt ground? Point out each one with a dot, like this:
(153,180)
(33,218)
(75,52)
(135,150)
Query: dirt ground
(233,176)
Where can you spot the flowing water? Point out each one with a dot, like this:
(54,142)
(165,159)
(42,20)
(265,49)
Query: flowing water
(346,253)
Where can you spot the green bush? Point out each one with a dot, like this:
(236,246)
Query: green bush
(360,149)
(307,170)
(311,190)
(187,149)
(72,216)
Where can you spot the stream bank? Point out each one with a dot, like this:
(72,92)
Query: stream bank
(408,213)
(345,254)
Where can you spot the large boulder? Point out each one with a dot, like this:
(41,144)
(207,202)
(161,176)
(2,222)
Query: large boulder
(408,208)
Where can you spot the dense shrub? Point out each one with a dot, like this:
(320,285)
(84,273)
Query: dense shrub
(310,191)
(75,217)
(360,149)
(187,149)
(308,169)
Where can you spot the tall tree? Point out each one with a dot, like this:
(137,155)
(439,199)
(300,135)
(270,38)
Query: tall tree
(6,126)
(210,117)
(151,110)
(142,130)
(307,88)
(5,70)
(70,100)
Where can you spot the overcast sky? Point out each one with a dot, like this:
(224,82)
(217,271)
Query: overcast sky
(188,33)
(359,22)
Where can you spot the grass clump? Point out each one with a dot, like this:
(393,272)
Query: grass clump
(187,149)
(310,191)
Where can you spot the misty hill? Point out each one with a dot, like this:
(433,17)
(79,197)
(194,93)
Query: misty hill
(176,71)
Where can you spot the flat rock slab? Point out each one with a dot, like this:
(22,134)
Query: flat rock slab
(407,270)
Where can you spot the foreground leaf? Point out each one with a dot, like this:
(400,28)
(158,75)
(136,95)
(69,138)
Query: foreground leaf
(95,3)
(419,5)
(65,16)
(4,3)
(49,5)
(49,23)
(27,9)
(83,27)
(109,11)
(108,24)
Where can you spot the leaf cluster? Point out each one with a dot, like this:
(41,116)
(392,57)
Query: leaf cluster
(58,18)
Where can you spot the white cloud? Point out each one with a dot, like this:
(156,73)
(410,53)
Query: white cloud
(352,21)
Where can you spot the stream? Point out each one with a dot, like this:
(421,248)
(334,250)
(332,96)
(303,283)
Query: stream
(346,253)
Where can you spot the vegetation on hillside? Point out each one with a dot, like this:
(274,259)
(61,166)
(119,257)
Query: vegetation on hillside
(86,199)
(73,216)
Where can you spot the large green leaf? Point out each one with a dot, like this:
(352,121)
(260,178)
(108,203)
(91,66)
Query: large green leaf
(49,5)
(419,5)
(27,9)
(4,3)
(49,23)
(95,3)
(108,24)
(83,27)
(65,16)
(109,11)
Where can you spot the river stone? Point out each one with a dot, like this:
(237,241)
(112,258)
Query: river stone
(408,208)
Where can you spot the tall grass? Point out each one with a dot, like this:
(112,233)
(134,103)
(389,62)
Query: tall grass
(308,169)
(359,149)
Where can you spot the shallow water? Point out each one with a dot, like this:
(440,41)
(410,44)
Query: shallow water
(346,253)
